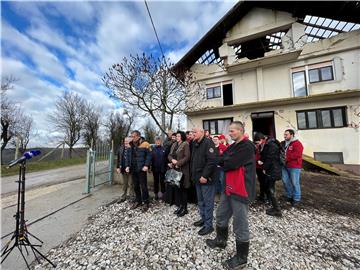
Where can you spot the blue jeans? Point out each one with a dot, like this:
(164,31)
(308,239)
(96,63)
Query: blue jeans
(291,180)
(220,181)
(205,196)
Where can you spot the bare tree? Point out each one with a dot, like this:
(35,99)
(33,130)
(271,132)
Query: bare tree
(24,131)
(92,122)
(10,113)
(150,132)
(68,118)
(149,84)
(117,128)
(7,83)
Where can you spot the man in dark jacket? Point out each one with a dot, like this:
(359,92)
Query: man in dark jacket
(203,174)
(140,163)
(238,162)
(123,166)
(158,168)
(271,168)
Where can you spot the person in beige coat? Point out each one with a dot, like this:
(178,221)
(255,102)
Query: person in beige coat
(179,159)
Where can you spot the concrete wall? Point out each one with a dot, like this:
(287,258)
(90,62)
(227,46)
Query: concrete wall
(346,139)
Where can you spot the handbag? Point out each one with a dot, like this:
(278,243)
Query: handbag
(173,177)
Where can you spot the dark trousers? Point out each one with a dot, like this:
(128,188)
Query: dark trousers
(182,197)
(230,207)
(140,187)
(261,179)
(159,179)
(269,183)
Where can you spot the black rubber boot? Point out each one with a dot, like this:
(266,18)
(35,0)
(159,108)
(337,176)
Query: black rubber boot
(220,239)
(275,210)
(239,261)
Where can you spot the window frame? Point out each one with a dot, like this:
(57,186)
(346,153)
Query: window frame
(306,82)
(213,92)
(216,124)
(319,119)
(320,74)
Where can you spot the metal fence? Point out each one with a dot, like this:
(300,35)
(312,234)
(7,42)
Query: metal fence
(99,166)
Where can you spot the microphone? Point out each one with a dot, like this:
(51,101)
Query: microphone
(27,155)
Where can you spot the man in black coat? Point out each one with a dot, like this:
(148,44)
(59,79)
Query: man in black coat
(270,162)
(238,162)
(140,163)
(203,174)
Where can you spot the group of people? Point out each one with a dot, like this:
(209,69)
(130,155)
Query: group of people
(213,166)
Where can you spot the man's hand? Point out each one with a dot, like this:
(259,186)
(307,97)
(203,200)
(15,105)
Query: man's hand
(118,170)
(174,161)
(145,168)
(260,162)
(203,180)
(127,169)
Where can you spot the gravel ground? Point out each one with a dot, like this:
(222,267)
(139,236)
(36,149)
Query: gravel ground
(119,238)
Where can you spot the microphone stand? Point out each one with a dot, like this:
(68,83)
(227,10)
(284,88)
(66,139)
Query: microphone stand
(21,233)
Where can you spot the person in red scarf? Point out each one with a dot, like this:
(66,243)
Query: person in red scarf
(238,162)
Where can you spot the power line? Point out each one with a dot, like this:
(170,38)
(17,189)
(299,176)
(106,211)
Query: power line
(157,37)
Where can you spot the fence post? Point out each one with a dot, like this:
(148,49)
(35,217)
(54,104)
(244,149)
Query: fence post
(111,163)
(93,168)
(88,172)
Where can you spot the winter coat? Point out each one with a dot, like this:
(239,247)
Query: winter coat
(141,155)
(238,162)
(167,146)
(270,156)
(181,153)
(124,156)
(204,159)
(258,156)
(293,154)
(158,159)
(221,148)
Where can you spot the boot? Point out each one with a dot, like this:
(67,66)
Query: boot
(182,212)
(135,205)
(240,259)
(275,210)
(178,210)
(220,239)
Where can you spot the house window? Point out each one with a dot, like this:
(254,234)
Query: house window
(321,74)
(299,84)
(303,76)
(322,118)
(217,126)
(213,92)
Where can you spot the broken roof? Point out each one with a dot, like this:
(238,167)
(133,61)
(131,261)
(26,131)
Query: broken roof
(323,19)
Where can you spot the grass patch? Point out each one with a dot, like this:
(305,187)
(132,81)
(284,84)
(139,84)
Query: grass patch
(43,165)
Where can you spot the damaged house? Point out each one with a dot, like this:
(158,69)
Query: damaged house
(280,65)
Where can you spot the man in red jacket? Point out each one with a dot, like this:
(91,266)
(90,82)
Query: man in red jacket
(238,162)
(292,168)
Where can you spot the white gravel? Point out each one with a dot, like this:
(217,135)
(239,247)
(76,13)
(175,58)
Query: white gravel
(119,238)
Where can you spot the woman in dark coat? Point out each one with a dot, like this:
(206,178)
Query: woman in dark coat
(179,159)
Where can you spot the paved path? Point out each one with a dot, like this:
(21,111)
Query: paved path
(48,177)
(59,211)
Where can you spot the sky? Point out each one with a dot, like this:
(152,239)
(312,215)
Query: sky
(52,47)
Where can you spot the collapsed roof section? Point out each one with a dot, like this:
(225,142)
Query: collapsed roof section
(281,25)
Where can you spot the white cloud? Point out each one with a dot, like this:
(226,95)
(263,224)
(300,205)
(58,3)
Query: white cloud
(117,29)
(46,62)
